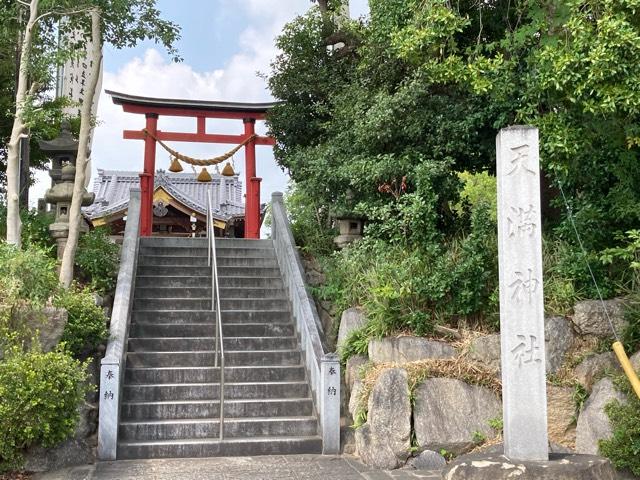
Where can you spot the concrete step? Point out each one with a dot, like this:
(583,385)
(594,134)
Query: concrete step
(232,252)
(211,391)
(202,241)
(212,374)
(233,447)
(201,261)
(173,242)
(205,292)
(243,243)
(142,329)
(210,428)
(205,271)
(183,344)
(225,282)
(190,409)
(207,316)
(257,304)
(207,358)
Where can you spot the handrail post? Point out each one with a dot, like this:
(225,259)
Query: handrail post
(323,368)
(215,306)
(113,364)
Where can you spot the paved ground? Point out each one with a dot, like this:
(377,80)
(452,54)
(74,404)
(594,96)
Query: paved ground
(293,467)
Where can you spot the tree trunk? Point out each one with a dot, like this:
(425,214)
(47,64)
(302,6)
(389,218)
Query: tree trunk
(75,218)
(19,128)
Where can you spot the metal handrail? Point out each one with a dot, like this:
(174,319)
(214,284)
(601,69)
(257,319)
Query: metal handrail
(215,304)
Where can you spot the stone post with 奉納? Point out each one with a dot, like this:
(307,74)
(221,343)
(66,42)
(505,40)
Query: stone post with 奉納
(524,400)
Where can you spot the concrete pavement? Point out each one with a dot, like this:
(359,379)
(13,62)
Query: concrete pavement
(290,467)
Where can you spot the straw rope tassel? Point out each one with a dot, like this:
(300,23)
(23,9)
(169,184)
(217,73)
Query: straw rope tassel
(204,176)
(175,166)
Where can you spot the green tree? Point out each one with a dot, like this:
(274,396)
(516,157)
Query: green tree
(428,86)
(119,23)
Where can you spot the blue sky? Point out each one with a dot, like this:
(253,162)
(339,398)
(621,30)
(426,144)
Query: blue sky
(224,44)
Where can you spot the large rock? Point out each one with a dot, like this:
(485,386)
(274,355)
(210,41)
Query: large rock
(498,449)
(561,412)
(558,340)
(635,361)
(352,319)
(408,349)
(559,467)
(448,413)
(48,323)
(88,421)
(590,319)
(593,367)
(385,440)
(313,271)
(427,460)
(354,398)
(327,322)
(486,350)
(593,422)
(352,369)
(69,453)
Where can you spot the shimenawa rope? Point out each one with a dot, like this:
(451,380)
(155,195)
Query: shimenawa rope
(198,162)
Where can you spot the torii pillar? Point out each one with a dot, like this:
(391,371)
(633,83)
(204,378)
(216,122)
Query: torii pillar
(252,204)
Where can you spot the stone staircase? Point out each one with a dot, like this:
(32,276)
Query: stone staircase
(170,401)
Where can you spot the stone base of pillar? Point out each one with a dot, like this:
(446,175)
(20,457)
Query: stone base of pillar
(559,467)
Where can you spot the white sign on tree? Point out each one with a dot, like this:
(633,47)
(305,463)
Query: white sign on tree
(521,295)
(73,80)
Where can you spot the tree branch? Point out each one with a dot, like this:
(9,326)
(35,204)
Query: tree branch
(64,13)
(323,4)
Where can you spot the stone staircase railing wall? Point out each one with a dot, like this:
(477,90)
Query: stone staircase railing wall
(113,364)
(323,368)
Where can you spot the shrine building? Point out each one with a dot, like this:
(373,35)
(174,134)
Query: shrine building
(179,203)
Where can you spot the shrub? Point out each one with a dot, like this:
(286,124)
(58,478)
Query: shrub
(40,395)
(29,273)
(479,188)
(309,223)
(623,448)
(86,325)
(35,229)
(631,334)
(560,287)
(626,258)
(404,288)
(97,259)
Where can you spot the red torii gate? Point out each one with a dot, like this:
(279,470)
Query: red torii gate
(152,108)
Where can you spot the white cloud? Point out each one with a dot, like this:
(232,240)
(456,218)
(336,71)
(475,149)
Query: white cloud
(153,75)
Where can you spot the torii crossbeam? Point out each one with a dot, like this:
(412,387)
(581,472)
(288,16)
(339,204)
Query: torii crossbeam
(152,108)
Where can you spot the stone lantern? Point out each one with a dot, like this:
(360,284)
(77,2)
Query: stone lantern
(350,225)
(61,150)
(350,228)
(60,195)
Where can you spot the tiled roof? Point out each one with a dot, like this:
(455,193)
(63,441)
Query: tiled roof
(112,192)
